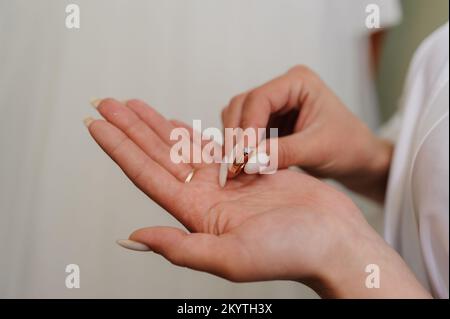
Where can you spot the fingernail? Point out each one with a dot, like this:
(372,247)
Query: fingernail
(223,172)
(230,158)
(132,245)
(96,102)
(256,163)
(88,121)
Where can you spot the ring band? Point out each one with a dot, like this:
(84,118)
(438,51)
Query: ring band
(189,177)
(238,165)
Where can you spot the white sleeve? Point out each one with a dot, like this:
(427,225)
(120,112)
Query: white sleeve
(431,205)
(391,129)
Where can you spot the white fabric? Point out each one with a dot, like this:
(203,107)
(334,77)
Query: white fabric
(62,200)
(417,207)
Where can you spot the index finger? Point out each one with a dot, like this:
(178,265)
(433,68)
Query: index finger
(280,94)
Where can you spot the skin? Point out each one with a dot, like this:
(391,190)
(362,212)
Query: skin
(315,233)
(326,139)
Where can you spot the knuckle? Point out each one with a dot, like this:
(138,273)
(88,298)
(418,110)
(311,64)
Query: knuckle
(235,100)
(118,148)
(306,74)
(285,156)
(252,97)
(250,107)
(135,128)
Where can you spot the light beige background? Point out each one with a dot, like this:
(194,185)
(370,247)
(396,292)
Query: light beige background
(63,201)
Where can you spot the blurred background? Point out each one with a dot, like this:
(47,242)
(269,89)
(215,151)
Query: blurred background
(62,201)
(420,18)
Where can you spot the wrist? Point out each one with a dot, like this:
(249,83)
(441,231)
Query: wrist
(367,268)
(348,277)
(371,176)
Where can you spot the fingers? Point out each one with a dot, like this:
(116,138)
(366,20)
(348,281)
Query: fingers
(284,152)
(204,252)
(253,108)
(298,149)
(201,143)
(158,123)
(143,171)
(143,136)
(231,115)
(280,94)
(163,128)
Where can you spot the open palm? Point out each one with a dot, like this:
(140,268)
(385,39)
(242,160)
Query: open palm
(278,226)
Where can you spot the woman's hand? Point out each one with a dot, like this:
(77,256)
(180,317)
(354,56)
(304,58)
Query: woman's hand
(283,226)
(320,134)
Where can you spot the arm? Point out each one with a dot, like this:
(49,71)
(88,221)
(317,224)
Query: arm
(285,226)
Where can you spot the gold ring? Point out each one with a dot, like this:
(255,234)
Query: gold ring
(189,177)
(239,164)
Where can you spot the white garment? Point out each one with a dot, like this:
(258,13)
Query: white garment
(417,206)
(62,200)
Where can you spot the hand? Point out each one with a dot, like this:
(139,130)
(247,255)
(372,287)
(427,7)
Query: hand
(283,226)
(324,137)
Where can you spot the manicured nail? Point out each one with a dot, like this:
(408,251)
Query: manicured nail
(233,155)
(88,121)
(223,172)
(256,163)
(261,135)
(96,102)
(132,245)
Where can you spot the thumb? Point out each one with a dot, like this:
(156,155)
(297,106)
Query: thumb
(285,151)
(199,251)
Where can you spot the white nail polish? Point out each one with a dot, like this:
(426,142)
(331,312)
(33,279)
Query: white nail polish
(229,159)
(256,163)
(88,121)
(132,245)
(96,102)
(223,172)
